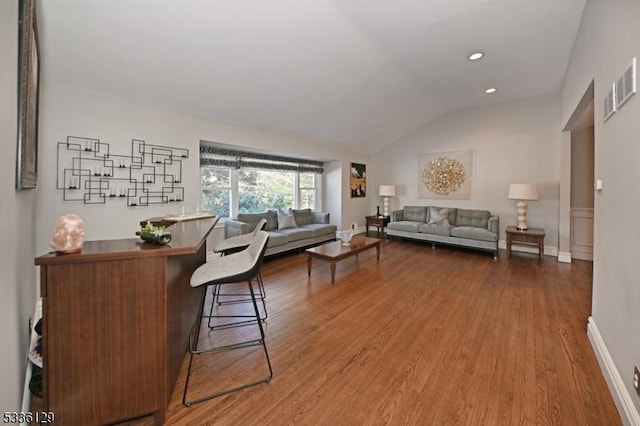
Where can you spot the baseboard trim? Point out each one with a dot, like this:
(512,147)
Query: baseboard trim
(621,396)
(564,257)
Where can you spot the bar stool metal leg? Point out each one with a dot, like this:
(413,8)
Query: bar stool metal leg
(216,300)
(194,351)
(216,292)
(230,246)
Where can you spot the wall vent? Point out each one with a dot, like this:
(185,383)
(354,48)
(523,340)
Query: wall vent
(610,103)
(626,85)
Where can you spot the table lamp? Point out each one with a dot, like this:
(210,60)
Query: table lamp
(522,192)
(386,191)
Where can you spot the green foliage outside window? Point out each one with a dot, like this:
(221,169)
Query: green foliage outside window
(216,190)
(261,190)
(216,202)
(258,190)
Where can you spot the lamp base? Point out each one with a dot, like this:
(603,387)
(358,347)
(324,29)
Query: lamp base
(522,216)
(385,203)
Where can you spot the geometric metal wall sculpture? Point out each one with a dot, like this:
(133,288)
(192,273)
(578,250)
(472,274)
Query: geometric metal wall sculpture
(89,172)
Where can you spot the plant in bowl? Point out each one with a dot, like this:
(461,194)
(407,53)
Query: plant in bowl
(154,234)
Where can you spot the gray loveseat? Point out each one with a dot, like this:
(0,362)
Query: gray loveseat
(460,227)
(310,228)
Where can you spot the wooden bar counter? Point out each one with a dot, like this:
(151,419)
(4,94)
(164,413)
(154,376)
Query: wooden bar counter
(116,322)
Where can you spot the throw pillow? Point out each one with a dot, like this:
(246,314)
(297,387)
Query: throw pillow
(439,216)
(286,219)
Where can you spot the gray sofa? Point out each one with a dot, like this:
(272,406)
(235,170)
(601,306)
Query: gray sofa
(476,229)
(310,228)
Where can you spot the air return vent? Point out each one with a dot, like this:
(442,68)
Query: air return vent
(626,85)
(610,103)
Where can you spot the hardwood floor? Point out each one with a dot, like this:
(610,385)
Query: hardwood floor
(424,337)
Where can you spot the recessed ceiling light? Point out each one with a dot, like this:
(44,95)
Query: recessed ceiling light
(490,90)
(475,56)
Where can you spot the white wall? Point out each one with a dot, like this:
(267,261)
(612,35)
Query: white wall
(17,226)
(69,112)
(333,179)
(609,37)
(512,142)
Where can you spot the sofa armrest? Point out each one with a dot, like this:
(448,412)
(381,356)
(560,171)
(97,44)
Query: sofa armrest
(397,215)
(494,224)
(233,228)
(320,217)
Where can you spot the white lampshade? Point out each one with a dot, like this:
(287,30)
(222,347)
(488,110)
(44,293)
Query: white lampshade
(523,191)
(387,191)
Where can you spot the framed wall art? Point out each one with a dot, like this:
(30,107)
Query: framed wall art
(28,95)
(358,180)
(445,175)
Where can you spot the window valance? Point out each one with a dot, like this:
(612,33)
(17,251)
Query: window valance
(213,155)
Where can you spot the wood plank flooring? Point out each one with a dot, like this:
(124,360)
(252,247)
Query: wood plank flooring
(424,337)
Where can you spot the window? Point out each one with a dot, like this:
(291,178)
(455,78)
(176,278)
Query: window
(256,190)
(248,182)
(307,191)
(216,190)
(261,190)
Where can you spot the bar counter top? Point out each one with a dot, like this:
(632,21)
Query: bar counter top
(186,238)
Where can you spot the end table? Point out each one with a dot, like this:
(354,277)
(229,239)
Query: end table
(530,236)
(378,221)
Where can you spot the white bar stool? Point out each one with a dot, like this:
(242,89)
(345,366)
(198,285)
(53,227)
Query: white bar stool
(226,247)
(242,266)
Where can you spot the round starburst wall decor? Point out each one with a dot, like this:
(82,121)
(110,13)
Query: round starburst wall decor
(443,175)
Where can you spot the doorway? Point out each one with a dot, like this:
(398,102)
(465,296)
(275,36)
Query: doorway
(581,127)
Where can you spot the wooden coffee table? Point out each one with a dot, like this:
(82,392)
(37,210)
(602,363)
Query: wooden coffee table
(334,251)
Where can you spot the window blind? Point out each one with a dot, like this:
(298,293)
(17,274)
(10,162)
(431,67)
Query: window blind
(212,155)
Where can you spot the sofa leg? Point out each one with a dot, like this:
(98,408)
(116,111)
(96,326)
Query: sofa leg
(433,246)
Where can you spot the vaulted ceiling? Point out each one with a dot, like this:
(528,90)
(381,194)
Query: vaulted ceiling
(360,73)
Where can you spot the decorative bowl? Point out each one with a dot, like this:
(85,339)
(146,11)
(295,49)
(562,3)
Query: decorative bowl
(158,237)
(345,237)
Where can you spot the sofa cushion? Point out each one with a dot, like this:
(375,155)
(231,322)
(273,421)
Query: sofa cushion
(475,218)
(452,217)
(277,239)
(272,220)
(436,229)
(405,225)
(415,214)
(253,218)
(438,215)
(286,219)
(320,229)
(473,233)
(296,234)
(303,216)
